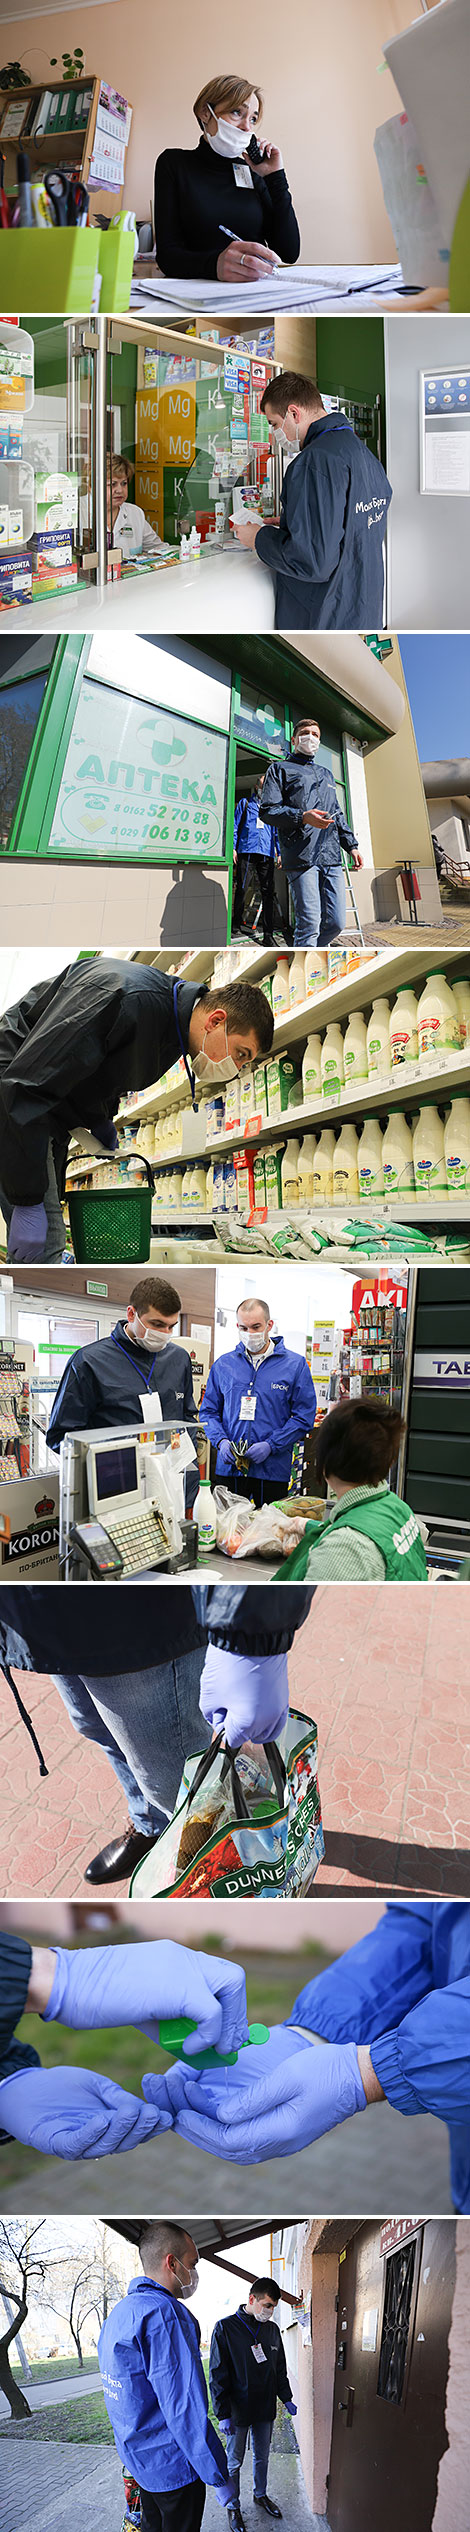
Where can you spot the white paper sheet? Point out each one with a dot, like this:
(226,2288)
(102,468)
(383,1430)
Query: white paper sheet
(306,286)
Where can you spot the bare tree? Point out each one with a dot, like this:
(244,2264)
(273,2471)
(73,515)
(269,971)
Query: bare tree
(19,2266)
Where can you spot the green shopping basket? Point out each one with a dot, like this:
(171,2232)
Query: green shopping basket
(111,1226)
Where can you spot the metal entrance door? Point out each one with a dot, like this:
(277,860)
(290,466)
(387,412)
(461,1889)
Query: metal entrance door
(395,2303)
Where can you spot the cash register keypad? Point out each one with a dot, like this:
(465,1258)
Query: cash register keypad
(141,1540)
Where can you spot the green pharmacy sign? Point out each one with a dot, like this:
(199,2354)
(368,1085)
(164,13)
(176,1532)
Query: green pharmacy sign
(139,782)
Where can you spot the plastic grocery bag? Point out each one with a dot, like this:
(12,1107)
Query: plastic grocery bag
(244,1531)
(247,1826)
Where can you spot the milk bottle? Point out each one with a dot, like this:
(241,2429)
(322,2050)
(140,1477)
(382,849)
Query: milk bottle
(404,1028)
(323,1167)
(378,1039)
(290,1173)
(461,993)
(311,1070)
(345,1168)
(397,1158)
(297,980)
(306,1169)
(355,1049)
(369,1160)
(205,1517)
(457,1146)
(281,998)
(438,1018)
(332,1061)
(429,1162)
(197,1187)
(316,971)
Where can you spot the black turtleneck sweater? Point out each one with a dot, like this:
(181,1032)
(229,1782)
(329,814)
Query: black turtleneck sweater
(196,198)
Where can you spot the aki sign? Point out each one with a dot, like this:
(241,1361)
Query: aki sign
(139,781)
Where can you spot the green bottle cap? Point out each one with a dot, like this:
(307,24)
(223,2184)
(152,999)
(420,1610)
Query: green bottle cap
(172,2034)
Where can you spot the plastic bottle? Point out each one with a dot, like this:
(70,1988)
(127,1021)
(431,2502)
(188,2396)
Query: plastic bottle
(369,1160)
(281,996)
(457,1145)
(306,1169)
(175,1184)
(316,972)
(272,1171)
(323,1167)
(438,1018)
(205,1517)
(259,1177)
(404,1028)
(185,1190)
(345,1167)
(355,1049)
(297,980)
(378,1039)
(397,1157)
(197,1187)
(311,1070)
(461,992)
(332,1061)
(429,1162)
(290,1174)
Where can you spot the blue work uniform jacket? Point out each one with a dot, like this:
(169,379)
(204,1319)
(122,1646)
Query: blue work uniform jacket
(299,783)
(251,832)
(326,555)
(285,1404)
(405,1992)
(155,2392)
(101,1634)
(103,1382)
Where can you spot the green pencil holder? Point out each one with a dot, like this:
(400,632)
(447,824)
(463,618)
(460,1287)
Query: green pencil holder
(49,271)
(116,249)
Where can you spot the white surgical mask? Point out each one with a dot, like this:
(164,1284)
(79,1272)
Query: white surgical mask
(226,141)
(307,746)
(281,437)
(187,2291)
(254,1343)
(206,1069)
(154,1338)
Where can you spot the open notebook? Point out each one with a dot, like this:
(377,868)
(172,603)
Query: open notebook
(305,286)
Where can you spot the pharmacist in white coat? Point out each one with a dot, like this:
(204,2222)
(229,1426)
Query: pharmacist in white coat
(127,524)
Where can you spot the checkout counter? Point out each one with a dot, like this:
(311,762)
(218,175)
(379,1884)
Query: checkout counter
(227,590)
(121,1510)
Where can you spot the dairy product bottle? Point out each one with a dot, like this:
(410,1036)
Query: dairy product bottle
(290,1174)
(429,1162)
(438,1018)
(197,1187)
(210,1188)
(332,1061)
(338,961)
(306,1169)
(297,979)
(404,1028)
(186,1189)
(461,993)
(272,1171)
(281,996)
(369,1160)
(174,1190)
(316,971)
(378,1039)
(355,1049)
(205,1516)
(457,1146)
(323,1167)
(345,1167)
(259,1177)
(397,1158)
(311,1070)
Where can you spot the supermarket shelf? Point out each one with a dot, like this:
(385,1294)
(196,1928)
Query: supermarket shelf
(444,1211)
(406,1090)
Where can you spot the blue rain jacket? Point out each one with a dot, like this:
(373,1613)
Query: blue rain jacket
(326,556)
(102,1385)
(405,1991)
(299,783)
(251,833)
(285,1405)
(155,2392)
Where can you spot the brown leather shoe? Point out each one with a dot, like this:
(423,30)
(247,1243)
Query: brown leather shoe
(116,1861)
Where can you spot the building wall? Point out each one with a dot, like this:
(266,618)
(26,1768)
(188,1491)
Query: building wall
(90,907)
(452,2505)
(397,807)
(310,72)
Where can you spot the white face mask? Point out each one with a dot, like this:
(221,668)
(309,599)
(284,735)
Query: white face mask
(307,746)
(282,440)
(206,1069)
(154,1338)
(254,1343)
(187,2291)
(226,141)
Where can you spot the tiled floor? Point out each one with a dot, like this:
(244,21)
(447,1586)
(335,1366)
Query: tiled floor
(386,1675)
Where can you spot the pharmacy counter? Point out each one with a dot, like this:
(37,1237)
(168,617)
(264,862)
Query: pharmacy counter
(227,591)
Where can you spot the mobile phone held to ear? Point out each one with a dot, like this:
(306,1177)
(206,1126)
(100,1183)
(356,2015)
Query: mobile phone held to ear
(254,152)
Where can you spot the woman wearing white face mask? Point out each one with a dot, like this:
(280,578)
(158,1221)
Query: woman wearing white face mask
(224,211)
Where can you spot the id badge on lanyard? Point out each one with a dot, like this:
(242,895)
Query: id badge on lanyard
(248,1407)
(243,176)
(258,2352)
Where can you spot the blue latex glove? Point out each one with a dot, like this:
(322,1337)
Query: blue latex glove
(227,2496)
(106,1132)
(225,1455)
(291,2405)
(258,1451)
(225,2425)
(247,1699)
(66,2110)
(254,2110)
(27,1234)
(144,1983)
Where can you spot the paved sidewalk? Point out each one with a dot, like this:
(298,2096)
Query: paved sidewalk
(378,2160)
(386,1675)
(46,2395)
(70,2488)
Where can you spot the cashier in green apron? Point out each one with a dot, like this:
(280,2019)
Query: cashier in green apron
(369,1534)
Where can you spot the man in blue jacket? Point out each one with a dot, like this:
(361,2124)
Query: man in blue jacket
(103,1382)
(390,2021)
(262,1396)
(326,554)
(255,852)
(155,2390)
(300,796)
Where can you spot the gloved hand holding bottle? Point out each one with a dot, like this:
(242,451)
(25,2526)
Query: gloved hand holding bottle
(27,1234)
(298,2093)
(248,1700)
(67,2110)
(145,1983)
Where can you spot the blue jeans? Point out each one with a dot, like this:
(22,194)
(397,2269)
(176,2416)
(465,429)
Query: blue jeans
(261,2443)
(147,1722)
(55,1242)
(319,900)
